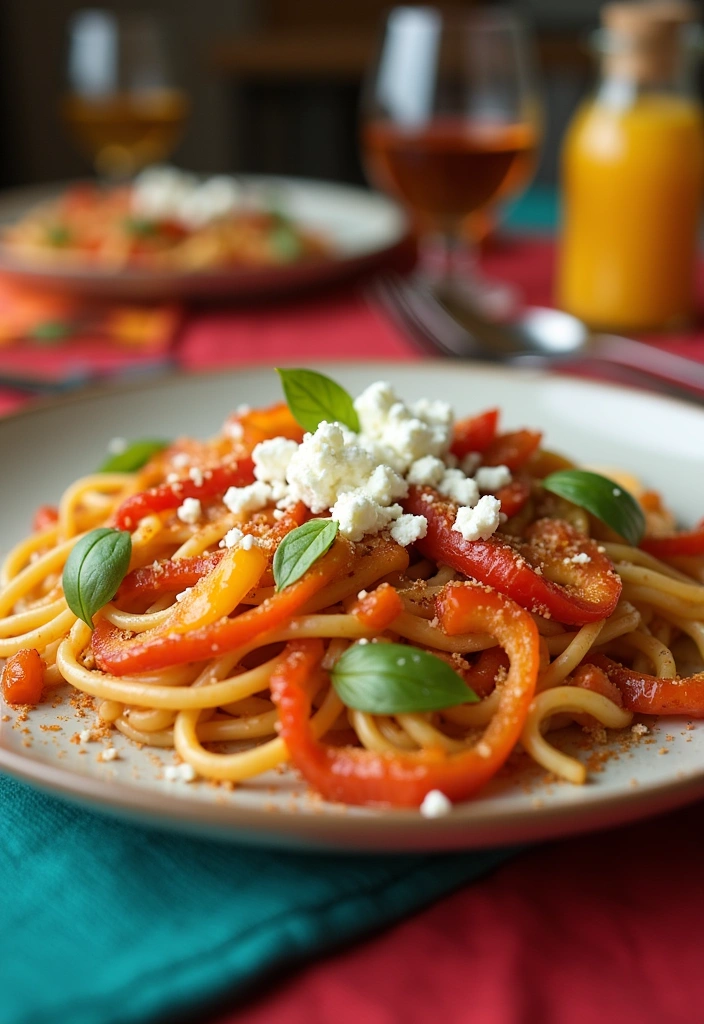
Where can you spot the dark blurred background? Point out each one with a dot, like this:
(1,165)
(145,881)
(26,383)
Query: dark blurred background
(274,83)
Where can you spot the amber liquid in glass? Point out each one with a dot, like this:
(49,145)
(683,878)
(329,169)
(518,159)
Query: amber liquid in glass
(449,167)
(126,131)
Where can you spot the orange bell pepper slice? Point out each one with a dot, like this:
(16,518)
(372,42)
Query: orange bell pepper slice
(357,776)
(159,647)
(23,677)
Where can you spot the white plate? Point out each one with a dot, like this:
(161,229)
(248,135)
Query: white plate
(659,439)
(362,227)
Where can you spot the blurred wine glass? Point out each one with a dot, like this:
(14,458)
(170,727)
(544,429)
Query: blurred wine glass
(450,125)
(121,107)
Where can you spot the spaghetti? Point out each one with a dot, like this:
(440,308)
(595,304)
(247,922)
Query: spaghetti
(549,619)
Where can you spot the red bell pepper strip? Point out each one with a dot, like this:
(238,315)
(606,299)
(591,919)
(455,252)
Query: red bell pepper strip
(167,496)
(689,542)
(583,592)
(649,695)
(514,496)
(512,450)
(44,517)
(591,677)
(357,776)
(156,648)
(23,677)
(475,433)
(481,676)
(378,609)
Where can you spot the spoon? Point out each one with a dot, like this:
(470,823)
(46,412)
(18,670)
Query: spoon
(539,337)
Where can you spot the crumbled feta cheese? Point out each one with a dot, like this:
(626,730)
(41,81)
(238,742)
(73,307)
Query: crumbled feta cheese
(470,463)
(171,772)
(639,729)
(252,498)
(459,488)
(271,459)
(435,804)
(279,491)
(187,772)
(247,542)
(327,464)
(407,433)
(181,460)
(111,754)
(232,538)
(408,529)
(196,475)
(489,479)
(172,478)
(358,514)
(279,513)
(190,512)
(426,472)
(385,486)
(362,594)
(480,522)
(85,736)
(581,558)
(117,445)
(184,594)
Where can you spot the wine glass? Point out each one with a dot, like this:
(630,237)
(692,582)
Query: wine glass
(450,125)
(122,107)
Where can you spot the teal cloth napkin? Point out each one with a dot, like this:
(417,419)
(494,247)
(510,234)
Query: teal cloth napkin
(108,923)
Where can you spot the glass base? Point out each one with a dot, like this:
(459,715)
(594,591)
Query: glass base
(454,278)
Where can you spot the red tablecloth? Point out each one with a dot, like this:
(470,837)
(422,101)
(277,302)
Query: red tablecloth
(592,930)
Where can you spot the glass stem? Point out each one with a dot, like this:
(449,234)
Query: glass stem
(448,258)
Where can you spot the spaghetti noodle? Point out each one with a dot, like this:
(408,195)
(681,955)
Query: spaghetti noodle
(549,619)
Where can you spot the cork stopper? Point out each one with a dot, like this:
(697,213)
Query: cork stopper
(644,41)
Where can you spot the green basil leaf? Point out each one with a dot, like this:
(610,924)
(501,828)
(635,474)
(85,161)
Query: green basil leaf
(286,242)
(134,456)
(604,498)
(394,679)
(94,570)
(300,548)
(312,397)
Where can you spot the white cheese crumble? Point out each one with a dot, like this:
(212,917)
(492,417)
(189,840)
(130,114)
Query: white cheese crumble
(489,479)
(190,512)
(408,529)
(325,465)
(435,804)
(196,475)
(180,772)
(581,558)
(184,594)
(639,729)
(85,735)
(181,460)
(426,472)
(234,430)
(251,498)
(271,459)
(406,434)
(232,538)
(247,542)
(111,754)
(459,488)
(358,514)
(480,522)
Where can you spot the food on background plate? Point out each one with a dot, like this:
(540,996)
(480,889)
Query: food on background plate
(166,220)
(393,602)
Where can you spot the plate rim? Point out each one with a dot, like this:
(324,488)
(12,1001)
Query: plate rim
(389,830)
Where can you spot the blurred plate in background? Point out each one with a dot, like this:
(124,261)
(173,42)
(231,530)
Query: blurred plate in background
(362,228)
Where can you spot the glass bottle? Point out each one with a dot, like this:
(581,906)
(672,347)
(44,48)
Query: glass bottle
(633,175)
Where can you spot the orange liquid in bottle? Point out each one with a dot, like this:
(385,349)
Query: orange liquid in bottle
(633,183)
